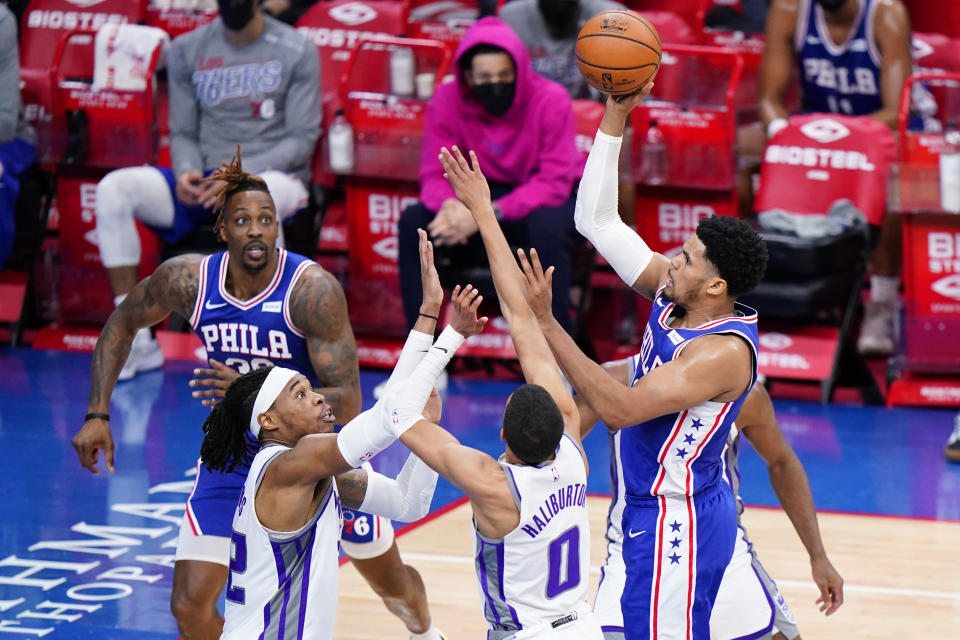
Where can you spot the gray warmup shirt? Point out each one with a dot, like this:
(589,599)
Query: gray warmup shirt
(552,58)
(12,124)
(264,96)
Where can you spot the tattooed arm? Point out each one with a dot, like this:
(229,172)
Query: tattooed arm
(172,287)
(318,308)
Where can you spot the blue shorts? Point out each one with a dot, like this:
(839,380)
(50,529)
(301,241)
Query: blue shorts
(15,157)
(676,550)
(185,218)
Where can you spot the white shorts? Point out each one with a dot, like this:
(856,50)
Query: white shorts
(372,545)
(190,546)
(749,604)
(613,576)
(585,626)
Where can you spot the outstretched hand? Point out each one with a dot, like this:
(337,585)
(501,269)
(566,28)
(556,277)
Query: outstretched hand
(466,301)
(467,180)
(618,108)
(216,380)
(537,285)
(429,279)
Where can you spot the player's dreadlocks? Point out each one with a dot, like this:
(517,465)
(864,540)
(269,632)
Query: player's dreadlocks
(226,431)
(235,180)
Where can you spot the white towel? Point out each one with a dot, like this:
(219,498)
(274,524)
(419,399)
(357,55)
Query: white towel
(122,54)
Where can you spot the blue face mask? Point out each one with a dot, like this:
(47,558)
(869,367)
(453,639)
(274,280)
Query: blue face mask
(496,97)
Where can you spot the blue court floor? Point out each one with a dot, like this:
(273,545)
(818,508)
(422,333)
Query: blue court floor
(84,556)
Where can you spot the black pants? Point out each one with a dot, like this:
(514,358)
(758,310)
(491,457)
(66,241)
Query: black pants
(549,230)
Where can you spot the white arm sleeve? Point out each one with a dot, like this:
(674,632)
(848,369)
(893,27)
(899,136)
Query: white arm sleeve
(368,433)
(405,499)
(596,214)
(414,349)
(406,401)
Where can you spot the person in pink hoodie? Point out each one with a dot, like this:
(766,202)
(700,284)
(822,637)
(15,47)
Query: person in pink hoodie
(521,127)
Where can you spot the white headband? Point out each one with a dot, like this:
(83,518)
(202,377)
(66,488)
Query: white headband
(274,383)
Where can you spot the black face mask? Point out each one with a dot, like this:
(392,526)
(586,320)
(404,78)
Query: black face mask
(830,5)
(560,15)
(496,97)
(236,14)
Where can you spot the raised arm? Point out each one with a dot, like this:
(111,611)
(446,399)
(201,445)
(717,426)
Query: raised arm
(538,364)
(778,61)
(318,308)
(596,215)
(758,423)
(172,287)
(711,367)
(622,372)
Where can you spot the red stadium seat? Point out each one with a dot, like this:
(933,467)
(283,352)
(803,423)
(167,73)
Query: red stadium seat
(935,17)
(108,129)
(336,27)
(176,19)
(42,25)
(443,20)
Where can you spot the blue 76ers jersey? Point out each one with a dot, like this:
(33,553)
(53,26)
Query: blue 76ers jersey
(248,334)
(680,453)
(841,78)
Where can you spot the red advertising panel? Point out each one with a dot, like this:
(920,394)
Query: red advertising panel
(85,295)
(666,216)
(798,353)
(932,292)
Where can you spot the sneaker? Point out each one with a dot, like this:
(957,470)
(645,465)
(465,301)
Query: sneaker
(952,450)
(145,355)
(876,332)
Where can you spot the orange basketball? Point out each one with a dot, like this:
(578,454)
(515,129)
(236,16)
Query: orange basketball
(618,51)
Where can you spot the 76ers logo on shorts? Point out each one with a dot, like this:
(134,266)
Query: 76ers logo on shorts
(359,526)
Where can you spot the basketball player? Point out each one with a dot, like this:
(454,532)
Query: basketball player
(252,306)
(698,363)
(283,566)
(853,58)
(532,537)
(748,605)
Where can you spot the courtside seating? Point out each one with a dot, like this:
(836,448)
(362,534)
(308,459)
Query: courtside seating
(443,20)
(42,25)
(812,286)
(179,16)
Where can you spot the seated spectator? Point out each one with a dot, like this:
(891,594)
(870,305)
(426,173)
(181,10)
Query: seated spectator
(549,30)
(522,129)
(247,79)
(17,152)
(853,58)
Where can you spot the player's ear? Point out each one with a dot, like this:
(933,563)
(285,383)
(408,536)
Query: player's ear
(268,421)
(717,286)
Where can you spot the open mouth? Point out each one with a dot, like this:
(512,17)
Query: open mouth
(328,416)
(255,250)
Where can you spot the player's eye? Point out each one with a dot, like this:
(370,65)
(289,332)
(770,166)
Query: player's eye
(301,395)
(240,220)
(266,220)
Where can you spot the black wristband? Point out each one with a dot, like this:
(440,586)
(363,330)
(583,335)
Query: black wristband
(427,315)
(97,416)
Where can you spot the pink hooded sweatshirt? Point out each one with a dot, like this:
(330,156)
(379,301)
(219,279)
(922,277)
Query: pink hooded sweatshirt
(531,145)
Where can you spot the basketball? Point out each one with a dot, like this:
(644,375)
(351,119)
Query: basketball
(618,51)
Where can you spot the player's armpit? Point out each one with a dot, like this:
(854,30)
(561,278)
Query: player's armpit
(352,487)
(318,308)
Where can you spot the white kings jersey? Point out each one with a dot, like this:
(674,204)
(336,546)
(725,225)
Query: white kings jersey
(538,572)
(282,586)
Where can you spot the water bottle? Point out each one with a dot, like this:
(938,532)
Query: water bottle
(401,71)
(950,171)
(340,142)
(653,165)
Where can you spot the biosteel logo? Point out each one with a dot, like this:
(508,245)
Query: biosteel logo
(353,13)
(825,130)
